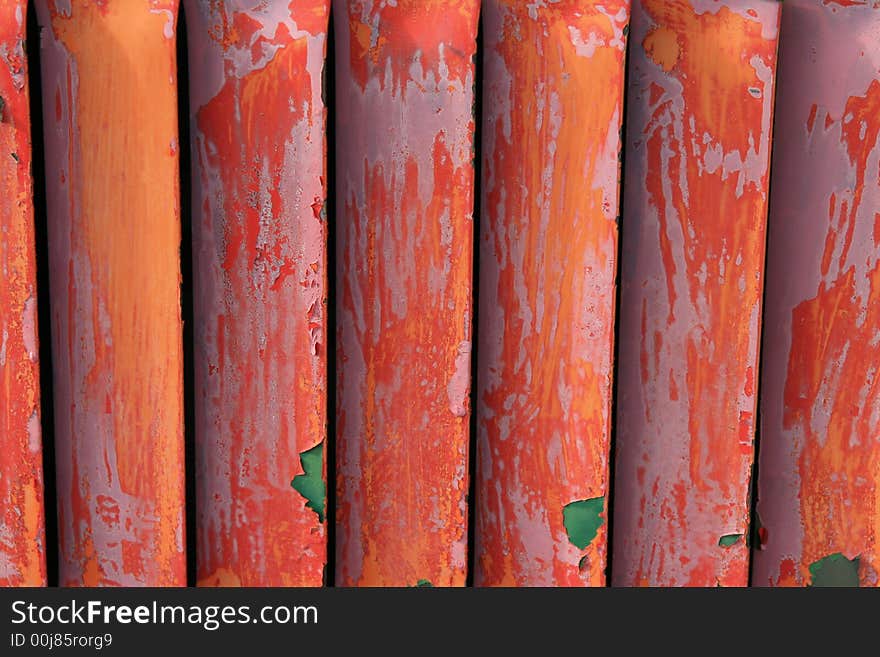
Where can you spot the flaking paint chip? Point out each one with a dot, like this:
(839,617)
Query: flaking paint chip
(835,570)
(311,485)
(582,520)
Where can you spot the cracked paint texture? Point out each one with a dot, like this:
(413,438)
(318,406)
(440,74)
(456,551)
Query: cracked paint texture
(553,93)
(259,240)
(109,84)
(819,462)
(405,130)
(22,546)
(697,161)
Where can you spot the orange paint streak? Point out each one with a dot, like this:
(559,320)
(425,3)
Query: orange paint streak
(22,549)
(554,89)
(661,45)
(114,238)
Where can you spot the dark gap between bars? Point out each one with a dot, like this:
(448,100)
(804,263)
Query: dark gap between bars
(753,540)
(329,89)
(44,306)
(612,443)
(475,308)
(186,296)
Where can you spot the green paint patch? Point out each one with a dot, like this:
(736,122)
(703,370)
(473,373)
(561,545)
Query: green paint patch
(311,485)
(729,540)
(835,570)
(424,583)
(582,520)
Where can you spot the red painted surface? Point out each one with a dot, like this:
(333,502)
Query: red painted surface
(259,162)
(553,93)
(697,164)
(22,548)
(405,129)
(819,470)
(110,111)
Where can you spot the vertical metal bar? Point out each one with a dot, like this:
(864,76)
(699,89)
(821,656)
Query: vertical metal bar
(697,162)
(553,95)
(259,242)
(819,474)
(405,126)
(109,88)
(22,528)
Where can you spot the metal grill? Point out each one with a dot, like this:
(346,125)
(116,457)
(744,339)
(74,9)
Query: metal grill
(439,292)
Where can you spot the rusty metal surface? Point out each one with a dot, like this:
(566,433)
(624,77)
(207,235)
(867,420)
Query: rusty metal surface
(405,130)
(701,85)
(819,465)
(686,240)
(109,90)
(259,242)
(552,96)
(22,534)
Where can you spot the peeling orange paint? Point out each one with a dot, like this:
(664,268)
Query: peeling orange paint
(697,171)
(114,239)
(553,94)
(259,253)
(405,130)
(661,46)
(22,547)
(819,474)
